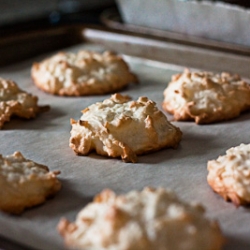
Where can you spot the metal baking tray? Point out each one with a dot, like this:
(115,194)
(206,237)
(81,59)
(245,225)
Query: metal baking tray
(111,18)
(46,138)
(213,20)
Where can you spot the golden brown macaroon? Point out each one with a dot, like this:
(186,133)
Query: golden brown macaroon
(82,73)
(24,183)
(16,102)
(148,220)
(121,127)
(229,175)
(206,97)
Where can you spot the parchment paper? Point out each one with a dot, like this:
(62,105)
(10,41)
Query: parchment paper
(46,138)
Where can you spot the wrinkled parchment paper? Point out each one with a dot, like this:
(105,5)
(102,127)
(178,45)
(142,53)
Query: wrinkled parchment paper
(46,138)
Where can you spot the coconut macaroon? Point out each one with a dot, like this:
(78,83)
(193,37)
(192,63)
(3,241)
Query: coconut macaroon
(206,97)
(229,175)
(121,127)
(151,219)
(16,102)
(82,73)
(24,183)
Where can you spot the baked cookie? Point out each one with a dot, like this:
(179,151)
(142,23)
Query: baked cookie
(206,97)
(82,73)
(147,220)
(16,102)
(24,183)
(119,127)
(229,175)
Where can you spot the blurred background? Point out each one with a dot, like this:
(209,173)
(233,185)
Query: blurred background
(15,14)
(216,24)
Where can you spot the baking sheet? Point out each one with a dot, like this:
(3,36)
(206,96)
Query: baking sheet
(185,55)
(112,19)
(207,19)
(46,138)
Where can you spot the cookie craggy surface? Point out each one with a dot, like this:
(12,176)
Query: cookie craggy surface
(119,127)
(24,183)
(16,102)
(82,73)
(147,220)
(229,175)
(206,97)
